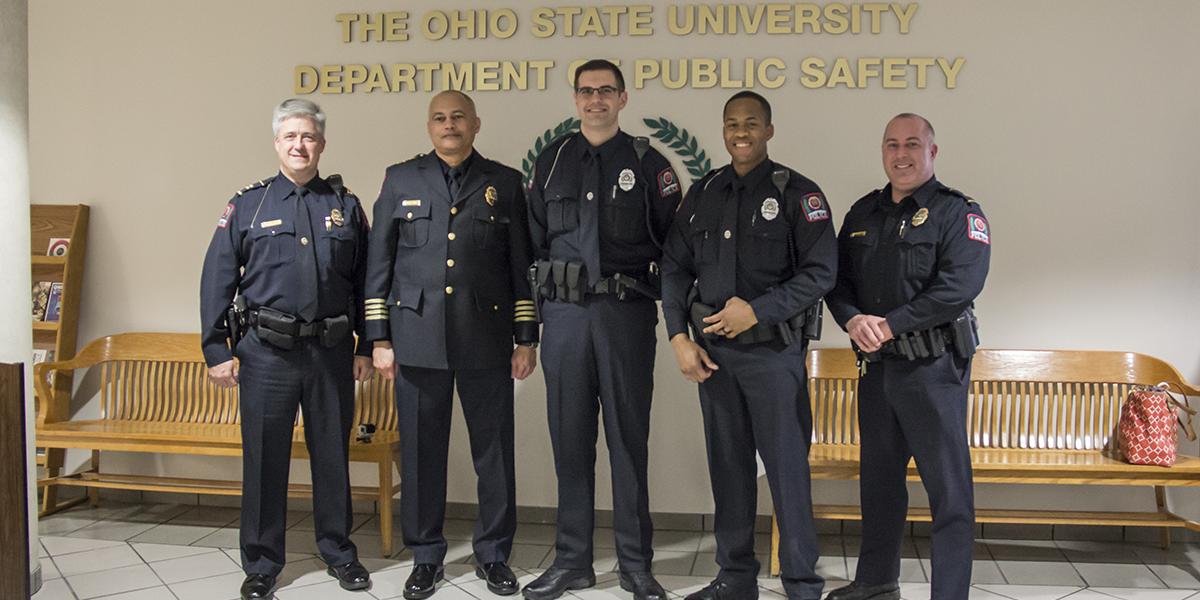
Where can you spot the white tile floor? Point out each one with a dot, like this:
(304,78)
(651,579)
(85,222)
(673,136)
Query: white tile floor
(173,552)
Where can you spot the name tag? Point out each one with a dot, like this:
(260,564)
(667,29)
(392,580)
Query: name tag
(855,234)
(410,203)
(271,223)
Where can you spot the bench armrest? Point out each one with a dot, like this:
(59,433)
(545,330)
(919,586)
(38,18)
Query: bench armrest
(41,381)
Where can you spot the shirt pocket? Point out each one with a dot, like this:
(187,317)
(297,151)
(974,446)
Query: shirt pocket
(918,253)
(274,245)
(705,241)
(623,215)
(412,223)
(769,242)
(489,229)
(562,211)
(342,248)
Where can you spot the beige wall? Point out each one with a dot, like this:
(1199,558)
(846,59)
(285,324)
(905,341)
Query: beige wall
(1073,124)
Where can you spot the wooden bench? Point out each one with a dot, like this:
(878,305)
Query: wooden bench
(155,396)
(1034,416)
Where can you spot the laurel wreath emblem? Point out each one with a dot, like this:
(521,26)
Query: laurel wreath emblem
(684,144)
(679,139)
(568,126)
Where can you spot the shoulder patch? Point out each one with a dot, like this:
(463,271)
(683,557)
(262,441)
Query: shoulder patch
(224,220)
(815,208)
(977,229)
(668,183)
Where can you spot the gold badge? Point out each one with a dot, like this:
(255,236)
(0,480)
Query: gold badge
(490,195)
(920,218)
(335,215)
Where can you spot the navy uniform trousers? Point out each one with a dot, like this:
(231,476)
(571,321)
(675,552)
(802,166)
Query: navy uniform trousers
(758,399)
(916,409)
(598,357)
(273,382)
(424,398)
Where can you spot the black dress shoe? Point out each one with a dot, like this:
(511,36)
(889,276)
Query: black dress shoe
(500,579)
(721,589)
(257,586)
(862,591)
(423,580)
(643,585)
(351,576)
(557,580)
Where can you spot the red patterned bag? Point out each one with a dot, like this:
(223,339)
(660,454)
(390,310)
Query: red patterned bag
(1147,433)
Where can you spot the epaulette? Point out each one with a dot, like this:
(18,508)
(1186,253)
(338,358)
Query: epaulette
(253,186)
(954,192)
(869,194)
(339,186)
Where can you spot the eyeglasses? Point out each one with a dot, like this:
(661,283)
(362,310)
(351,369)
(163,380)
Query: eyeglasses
(605,91)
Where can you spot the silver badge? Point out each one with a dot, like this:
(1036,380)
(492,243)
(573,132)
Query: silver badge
(626,180)
(770,209)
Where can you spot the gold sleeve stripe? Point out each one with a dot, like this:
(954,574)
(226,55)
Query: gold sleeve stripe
(525,320)
(524,302)
(377,318)
(370,301)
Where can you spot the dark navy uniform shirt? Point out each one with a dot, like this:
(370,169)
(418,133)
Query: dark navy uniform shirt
(253,253)
(739,236)
(567,208)
(918,263)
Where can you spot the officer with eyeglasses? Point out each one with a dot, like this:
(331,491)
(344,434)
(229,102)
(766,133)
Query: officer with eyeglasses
(600,204)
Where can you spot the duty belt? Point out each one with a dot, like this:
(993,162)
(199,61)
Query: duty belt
(960,336)
(282,330)
(566,281)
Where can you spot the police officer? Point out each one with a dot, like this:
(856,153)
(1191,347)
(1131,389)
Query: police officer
(447,282)
(600,204)
(292,248)
(913,257)
(757,240)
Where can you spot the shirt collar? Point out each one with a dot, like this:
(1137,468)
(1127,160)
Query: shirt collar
(464,166)
(606,150)
(282,187)
(922,195)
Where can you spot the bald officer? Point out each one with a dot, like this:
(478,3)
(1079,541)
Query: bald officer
(448,305)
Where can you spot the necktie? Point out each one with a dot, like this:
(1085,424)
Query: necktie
(589,215)
(455,183)
(727,257)
(306,259)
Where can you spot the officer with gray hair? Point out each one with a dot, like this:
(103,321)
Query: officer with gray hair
(281,291)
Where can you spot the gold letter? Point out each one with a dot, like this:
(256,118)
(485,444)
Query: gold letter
(543,22)
(644,69)
(774,82)
(951,71)
(306,79)
(813,70)
(905,14)
(346,19)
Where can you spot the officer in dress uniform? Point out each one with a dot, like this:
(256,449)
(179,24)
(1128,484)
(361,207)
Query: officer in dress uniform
(757,240)
(600,204)
(447,297)
(913,257)
(293,249)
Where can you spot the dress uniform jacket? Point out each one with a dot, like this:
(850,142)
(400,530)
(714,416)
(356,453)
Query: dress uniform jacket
(919,263)
(447,280)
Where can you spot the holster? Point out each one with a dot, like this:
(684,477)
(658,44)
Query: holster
(277,328)
(334,331)
(235,322)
